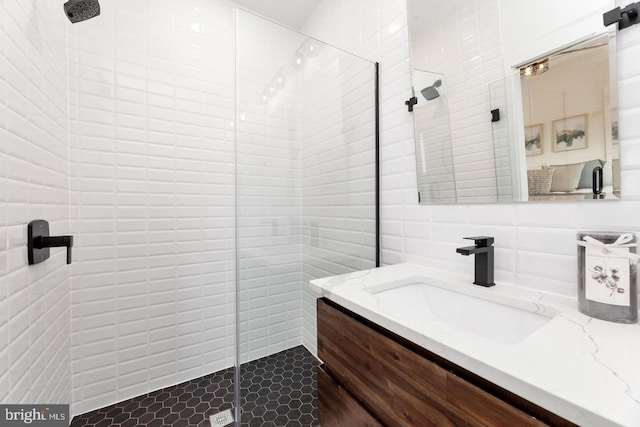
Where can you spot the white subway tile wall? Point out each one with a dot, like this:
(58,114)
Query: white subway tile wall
(34,300)
(152,197)
(535,242)
(383,38)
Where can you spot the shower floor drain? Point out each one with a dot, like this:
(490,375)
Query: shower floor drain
(221,419)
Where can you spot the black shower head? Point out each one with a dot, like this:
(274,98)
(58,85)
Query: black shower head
(431,92)
(81,10)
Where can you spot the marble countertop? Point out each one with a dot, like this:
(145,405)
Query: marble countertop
(583,369)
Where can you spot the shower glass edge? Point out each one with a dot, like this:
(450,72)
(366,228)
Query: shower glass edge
(306,201)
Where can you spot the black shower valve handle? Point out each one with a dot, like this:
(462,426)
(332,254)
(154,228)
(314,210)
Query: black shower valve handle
(39,242)
(42,242)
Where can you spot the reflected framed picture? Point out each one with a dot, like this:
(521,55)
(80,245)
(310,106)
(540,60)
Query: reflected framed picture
(533,144)
(570,133)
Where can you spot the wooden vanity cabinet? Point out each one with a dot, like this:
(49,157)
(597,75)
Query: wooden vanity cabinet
(338,408)
(372,377)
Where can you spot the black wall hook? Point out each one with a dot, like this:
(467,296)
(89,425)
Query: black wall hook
(411,102)
(39,242)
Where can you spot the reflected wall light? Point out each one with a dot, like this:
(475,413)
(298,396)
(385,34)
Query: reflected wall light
(308,49)
(535,68)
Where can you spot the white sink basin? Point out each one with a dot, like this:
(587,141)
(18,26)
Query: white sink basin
(492,320)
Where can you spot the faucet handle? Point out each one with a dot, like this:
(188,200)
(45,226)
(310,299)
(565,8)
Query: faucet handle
(481,241)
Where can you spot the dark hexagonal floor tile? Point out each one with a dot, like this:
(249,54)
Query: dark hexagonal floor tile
(277,390)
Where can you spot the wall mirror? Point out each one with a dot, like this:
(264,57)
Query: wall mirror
(515,101)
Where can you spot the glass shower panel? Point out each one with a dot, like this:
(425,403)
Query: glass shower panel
(434,146)
(504,157)
(509,149)
(306,191)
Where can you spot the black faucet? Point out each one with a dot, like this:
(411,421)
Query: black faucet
(484,259)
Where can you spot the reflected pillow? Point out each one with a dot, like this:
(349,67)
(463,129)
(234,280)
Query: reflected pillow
(586,178)
(539,180)
(566,177)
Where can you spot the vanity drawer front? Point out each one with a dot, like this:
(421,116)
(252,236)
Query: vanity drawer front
(401,387)
(337,408)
